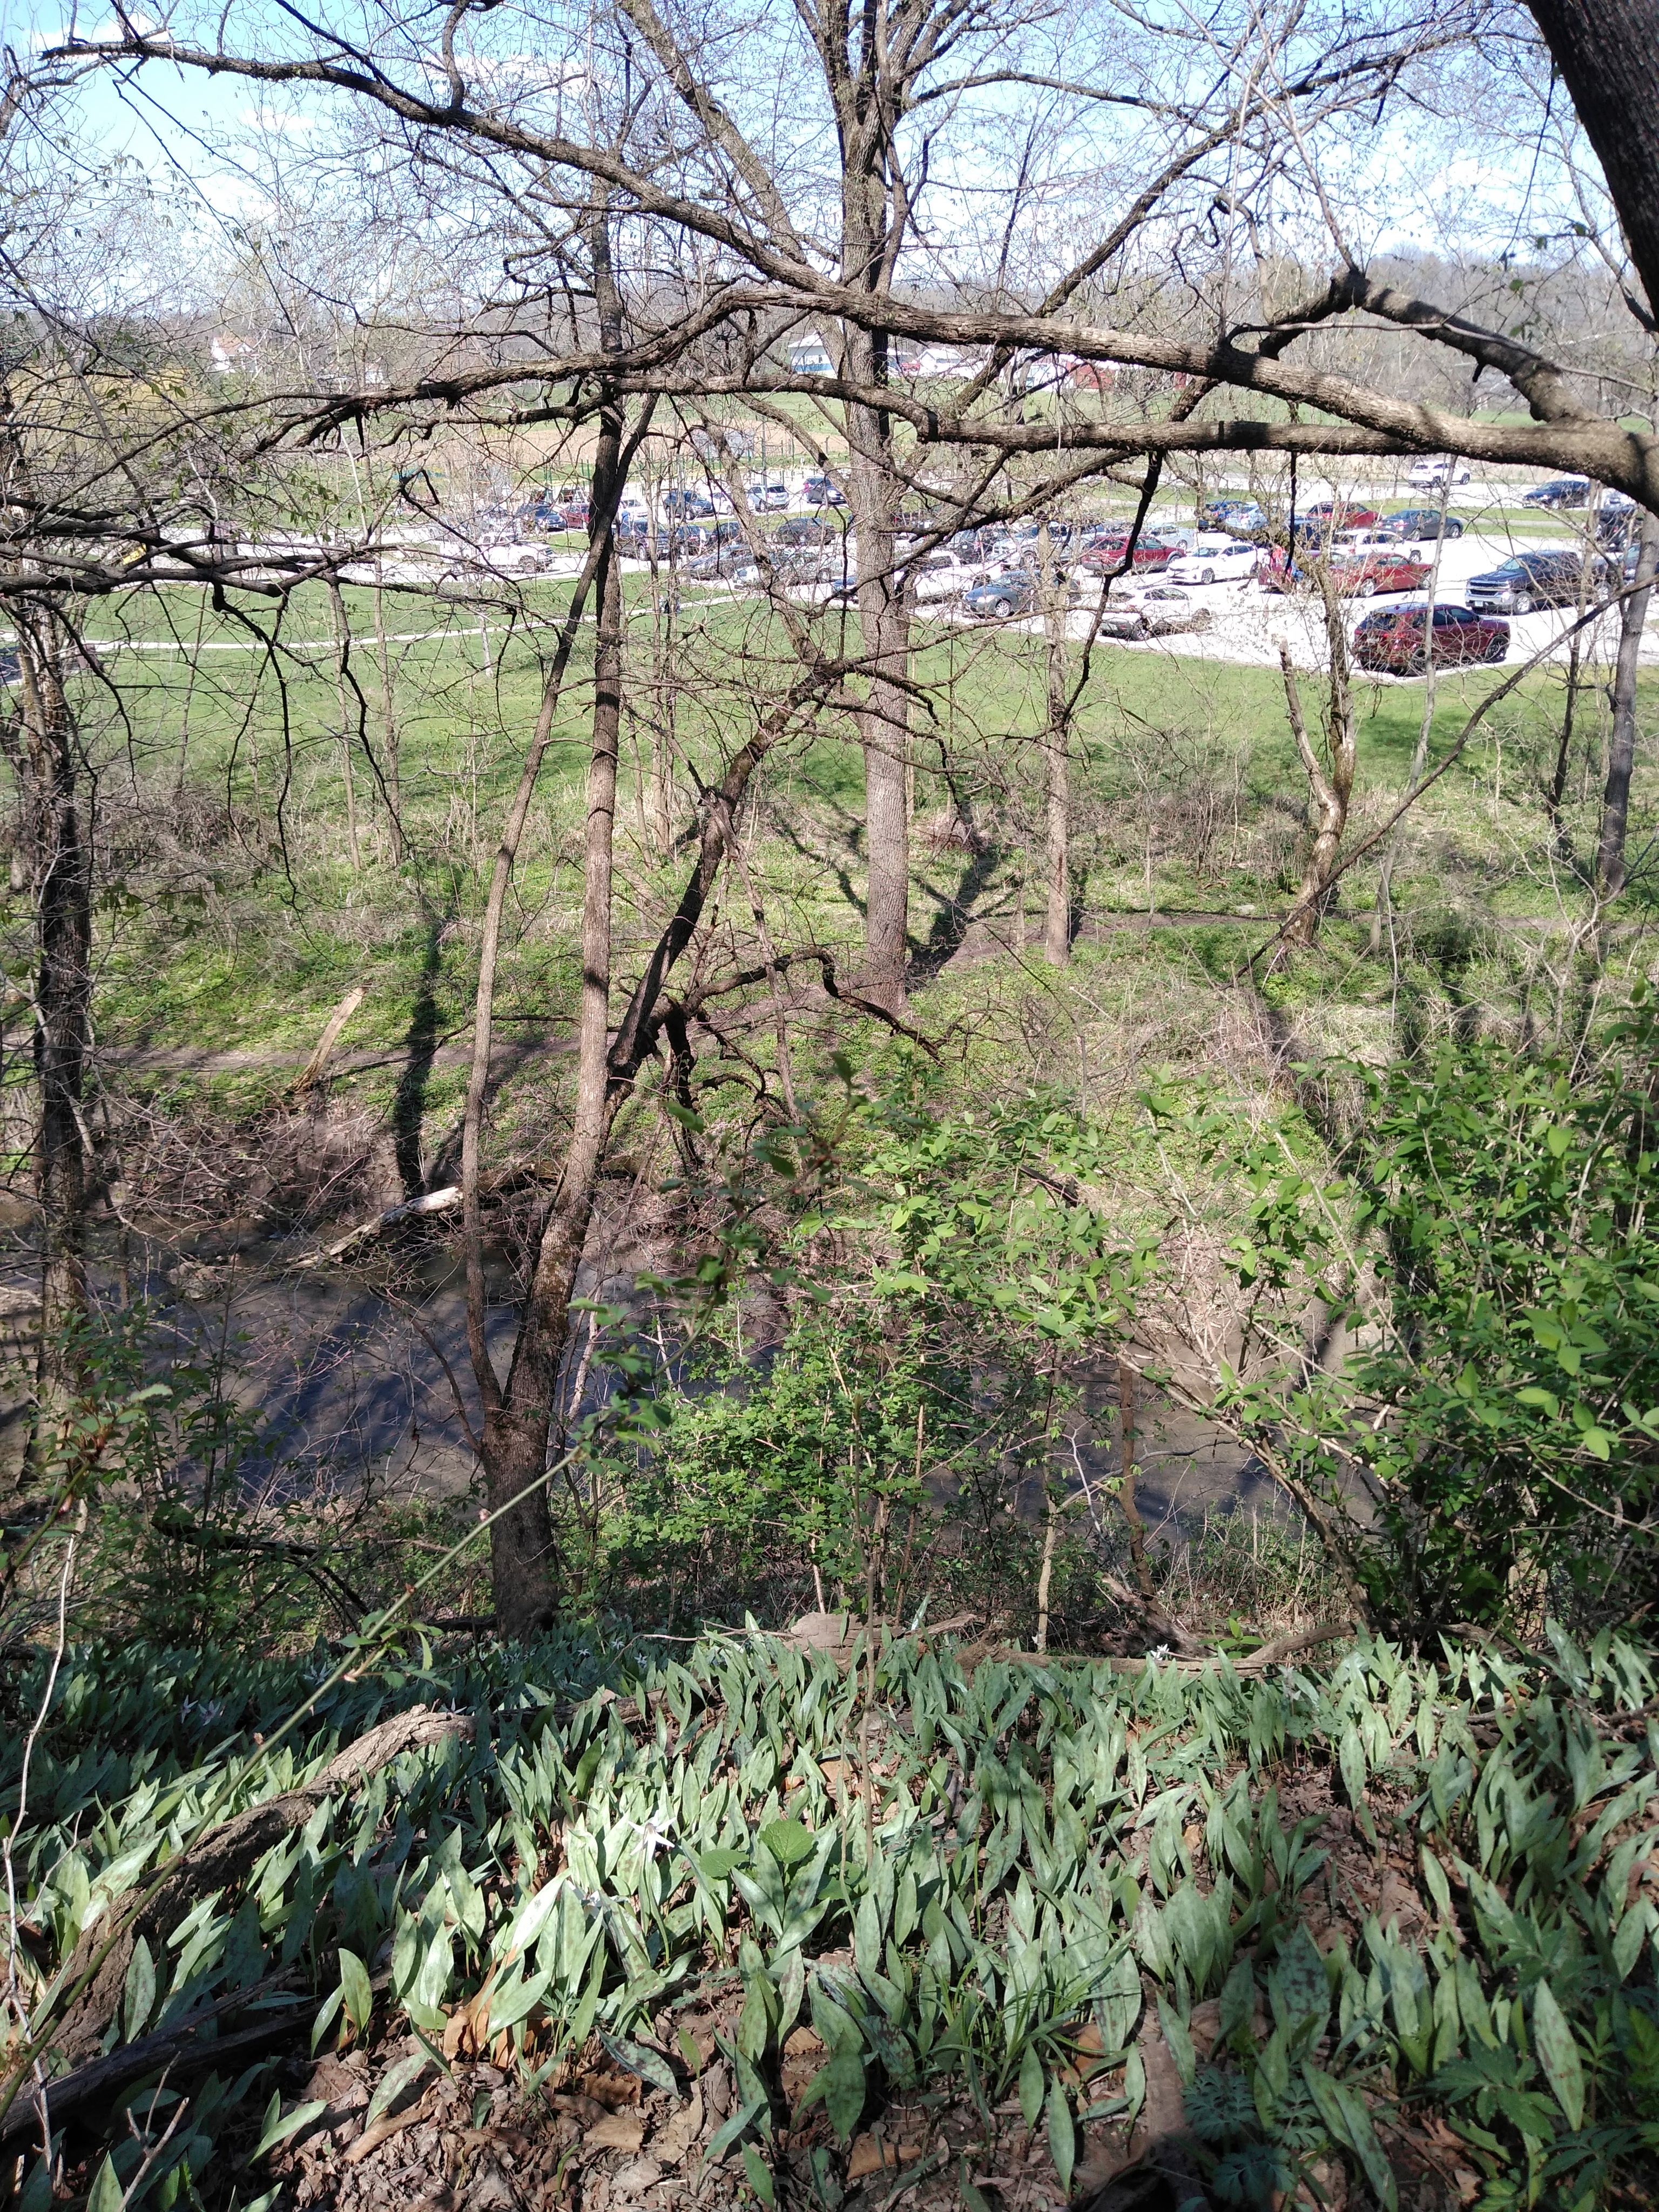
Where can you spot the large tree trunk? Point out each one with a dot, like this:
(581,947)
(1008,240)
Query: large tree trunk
(884,621)
(516,1432)
(1330,789)
(61,865)
(1056,754)
(1608,51)
(518,1415)
(1621,752)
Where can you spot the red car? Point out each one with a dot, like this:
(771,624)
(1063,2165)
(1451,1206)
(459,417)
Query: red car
(1390,642)
(1107,553)
(1371,573)
(1325,518)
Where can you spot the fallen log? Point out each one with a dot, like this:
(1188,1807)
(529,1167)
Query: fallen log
(217,1859)
(178,2049)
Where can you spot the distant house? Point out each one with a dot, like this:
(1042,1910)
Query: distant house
(231,355)
(1088,375)
(943,361)
(810,357)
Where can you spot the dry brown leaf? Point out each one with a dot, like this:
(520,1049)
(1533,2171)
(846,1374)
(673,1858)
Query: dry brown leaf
(671,2143)
(615,2131)
(610,2089)
(802,2042)
(382,2131)
(871,2155)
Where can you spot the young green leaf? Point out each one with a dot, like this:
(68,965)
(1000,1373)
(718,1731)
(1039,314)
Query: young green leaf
(1062,2137)
(1030,2085)
(280,2125)
(759,2173)
(1558,2053)
(358,1995)
(392,2084)
(107,2192)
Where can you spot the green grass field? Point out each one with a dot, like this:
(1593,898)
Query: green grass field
(235,914)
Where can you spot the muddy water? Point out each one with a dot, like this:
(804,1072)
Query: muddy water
(351,1387)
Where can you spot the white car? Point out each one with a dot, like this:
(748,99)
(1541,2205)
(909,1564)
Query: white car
(1215,561)
(937,577)
(514,557)
(1436,469)
(1152,611)
(1360,545)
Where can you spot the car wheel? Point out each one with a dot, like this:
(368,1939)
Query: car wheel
(1142,630)
(1523,604)
(1367,587)
(1002,609)
(1417,664)
(1453,529)
(1208,576)
(1497,650)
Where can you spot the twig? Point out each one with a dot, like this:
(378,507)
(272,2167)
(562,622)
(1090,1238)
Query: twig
(13,1999)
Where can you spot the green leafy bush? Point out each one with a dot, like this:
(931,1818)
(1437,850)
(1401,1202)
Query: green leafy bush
(1483,1233)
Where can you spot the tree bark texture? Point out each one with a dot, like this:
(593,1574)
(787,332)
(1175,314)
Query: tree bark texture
(1056,752)
(516,1432)
(1329,789)
(518,1415)
(1621,749)
(884,731)
(872,229)
(1608,51)
(61,858)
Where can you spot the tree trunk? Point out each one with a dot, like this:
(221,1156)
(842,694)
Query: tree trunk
(62,870)
(1621,752)
(1057,925)
(1328,793)
(342,638)
(885,732)
(389,723)
(518,1416)
(1608,51)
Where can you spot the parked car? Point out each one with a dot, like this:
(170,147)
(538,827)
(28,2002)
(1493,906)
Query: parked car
(686,502)
(1614,521)
(515,557)
(1420,523)
(1364,570)
(1152,610)
(818,491)
(1236,517)
(936,578)
(690,538)
(972,545)
(724,561)
(1215,561)
(791,566)
(805,530)
(11,668)
(1436,469)
(1526,580)
(1390,642)
(1326,517)
(771,498)
(1106,553)
(1014,592)
(1563,491)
